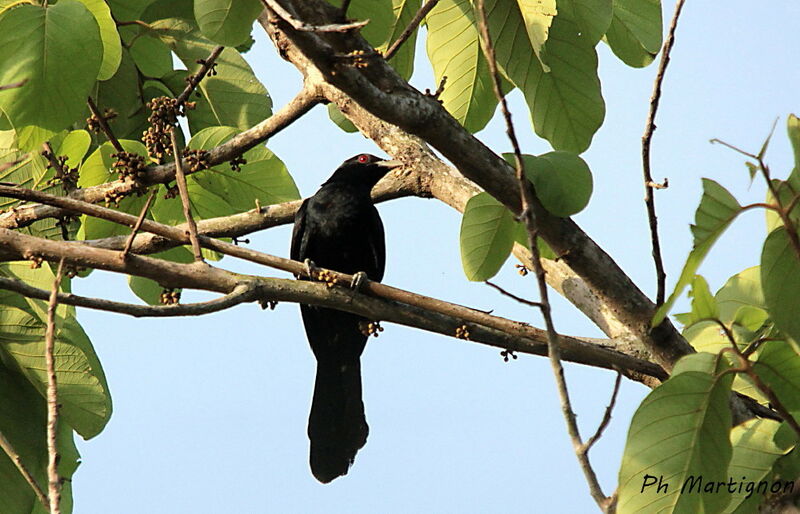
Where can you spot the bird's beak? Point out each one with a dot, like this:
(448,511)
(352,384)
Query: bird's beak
(389,164)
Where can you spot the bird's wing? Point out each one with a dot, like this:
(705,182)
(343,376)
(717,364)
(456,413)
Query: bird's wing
(299,236)
(378,246)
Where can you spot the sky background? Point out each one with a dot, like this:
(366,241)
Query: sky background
(210,413)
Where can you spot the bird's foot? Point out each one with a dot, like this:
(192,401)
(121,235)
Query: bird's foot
(370,328)
(311,268)
(360,279)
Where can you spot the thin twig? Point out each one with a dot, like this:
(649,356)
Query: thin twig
(345,7)
(138,224)
(606,416)
(13,85)
(649,199)
(7,447)
(54,481)
(513,296)
(412,26)
(195,78)
(101,120)
(180,180)
(241,294)
(305,27)
(527,202)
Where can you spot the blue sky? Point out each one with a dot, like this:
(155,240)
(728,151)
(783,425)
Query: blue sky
(210,413)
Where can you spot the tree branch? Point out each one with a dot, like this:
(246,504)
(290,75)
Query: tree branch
(380,91)
(7,447)
(103,123)
(54,481)
(382,302)
(180,179)
(302,26)
(297,107)
(649,185)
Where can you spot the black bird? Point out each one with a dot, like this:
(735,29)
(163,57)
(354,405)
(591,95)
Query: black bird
(339,228)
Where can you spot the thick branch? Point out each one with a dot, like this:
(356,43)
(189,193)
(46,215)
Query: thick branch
(379,90)
(383,302)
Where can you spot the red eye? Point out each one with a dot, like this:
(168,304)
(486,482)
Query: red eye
(363,158)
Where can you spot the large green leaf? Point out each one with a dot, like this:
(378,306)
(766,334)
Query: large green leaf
(778,366)
(592,16)
(125,10)
(487,236)
(82,389)
(680,431)
(741,291)
(23,418)
(780,279)
(122,94)
(152,57)
(233,97)
(58,50)
(754,454)
(562,180)
(635,31)
(264,178)
(717,209)
(403,60)
(565,104)
(455,52)
(112,47)
(227,22)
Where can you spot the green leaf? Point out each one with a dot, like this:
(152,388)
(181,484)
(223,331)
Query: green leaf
(150,290)
(592,16)
(73,145)
(793,129)
(82,388)
(403,13)
(125,10)
(703,303)
(538,16)
(566,105)
(339,119)
(152,57)
(23,418)
(162,9)
(58,50)
(717,209)
(121,93)
(740,291)
(635,31)
(754,454)
(264,177)
(454,51)
(780,278)
(778,366)
(679,431)
(112,48)
(227,22)
(233,97)
(487,236)
(562,180)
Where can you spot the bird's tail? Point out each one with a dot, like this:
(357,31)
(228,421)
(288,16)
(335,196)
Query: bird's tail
(337,426)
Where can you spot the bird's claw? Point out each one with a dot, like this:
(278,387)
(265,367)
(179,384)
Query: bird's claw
(359,280)
(311,268)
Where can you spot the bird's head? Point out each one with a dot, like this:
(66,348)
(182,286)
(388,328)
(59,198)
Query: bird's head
(363,170)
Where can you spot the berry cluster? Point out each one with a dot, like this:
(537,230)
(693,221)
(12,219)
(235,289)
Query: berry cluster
(170,296)
(462,332)
(237,163)
(196,159)
(68,177)
(93,124)
(370,328)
